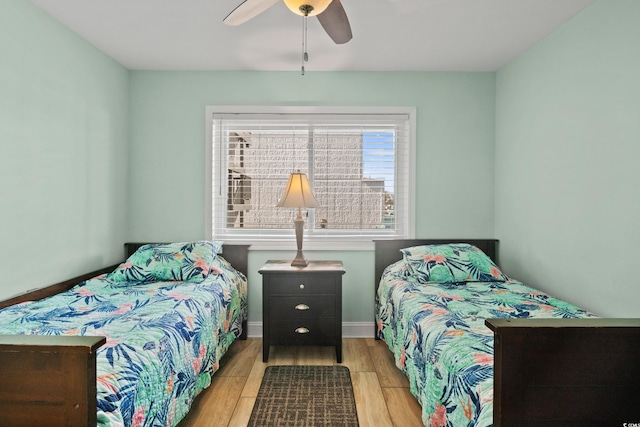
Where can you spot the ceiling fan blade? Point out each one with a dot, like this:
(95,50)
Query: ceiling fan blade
(247,10)
(335,22)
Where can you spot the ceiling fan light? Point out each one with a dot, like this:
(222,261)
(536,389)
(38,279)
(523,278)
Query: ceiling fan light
(296,6)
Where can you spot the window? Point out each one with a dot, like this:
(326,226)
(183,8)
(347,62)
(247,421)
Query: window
(358,161)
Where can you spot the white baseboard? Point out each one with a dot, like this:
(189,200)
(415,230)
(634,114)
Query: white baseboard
(254,329)
(358,329)
(349,329)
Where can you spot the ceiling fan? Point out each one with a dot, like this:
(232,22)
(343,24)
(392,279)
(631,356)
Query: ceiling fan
(330,13)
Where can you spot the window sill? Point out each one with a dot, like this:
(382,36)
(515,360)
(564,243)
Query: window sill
(308,245)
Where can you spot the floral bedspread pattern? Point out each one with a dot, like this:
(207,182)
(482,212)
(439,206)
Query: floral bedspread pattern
(164,339)
(437,334)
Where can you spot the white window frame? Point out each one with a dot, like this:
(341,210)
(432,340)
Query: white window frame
(311,241)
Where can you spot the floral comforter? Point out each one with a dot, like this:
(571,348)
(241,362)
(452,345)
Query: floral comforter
(164,338)
(437,334)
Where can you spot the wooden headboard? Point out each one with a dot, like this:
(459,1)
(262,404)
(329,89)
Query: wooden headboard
(237,255)
(388,251)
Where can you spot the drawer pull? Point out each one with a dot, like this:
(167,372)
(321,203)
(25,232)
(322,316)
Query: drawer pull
(301,286)
(302,331)
(302,307)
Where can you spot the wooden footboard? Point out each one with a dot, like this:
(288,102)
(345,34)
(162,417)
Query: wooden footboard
(48,378)
(51,380)
(566,372)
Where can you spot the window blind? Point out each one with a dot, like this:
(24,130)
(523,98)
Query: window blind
(358,165)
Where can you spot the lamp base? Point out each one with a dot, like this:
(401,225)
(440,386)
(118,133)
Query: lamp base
(299,260)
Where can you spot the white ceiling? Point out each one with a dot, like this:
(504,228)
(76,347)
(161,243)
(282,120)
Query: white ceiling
(406,35)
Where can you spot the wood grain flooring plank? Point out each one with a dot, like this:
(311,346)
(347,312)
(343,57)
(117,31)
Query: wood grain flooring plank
(370,403)
(404,409)
(356,356)
(313,355)
(388,374)
(282,355)
(242,412)
(252,386)
(216,405)
(243,354)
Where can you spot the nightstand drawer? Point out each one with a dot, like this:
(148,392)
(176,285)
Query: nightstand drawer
(304,332)
(300,284)
(302,306)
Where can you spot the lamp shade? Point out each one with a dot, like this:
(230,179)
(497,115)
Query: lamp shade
(298,193)
(301,6)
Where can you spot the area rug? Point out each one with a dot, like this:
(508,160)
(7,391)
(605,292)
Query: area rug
(305,396)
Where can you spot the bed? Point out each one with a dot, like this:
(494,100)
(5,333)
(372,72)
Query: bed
(132,347)
(481,349)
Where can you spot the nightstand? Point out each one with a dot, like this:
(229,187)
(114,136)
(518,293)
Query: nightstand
(302,305)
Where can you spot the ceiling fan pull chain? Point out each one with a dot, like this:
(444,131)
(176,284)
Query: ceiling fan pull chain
(305,55)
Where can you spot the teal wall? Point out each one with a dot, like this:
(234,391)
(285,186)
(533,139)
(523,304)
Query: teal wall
(63,152)
(568,161)
(455,139)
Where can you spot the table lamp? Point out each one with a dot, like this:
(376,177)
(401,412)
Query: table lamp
(298,195)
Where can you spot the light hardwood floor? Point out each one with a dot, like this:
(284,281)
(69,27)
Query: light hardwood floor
(381,390)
